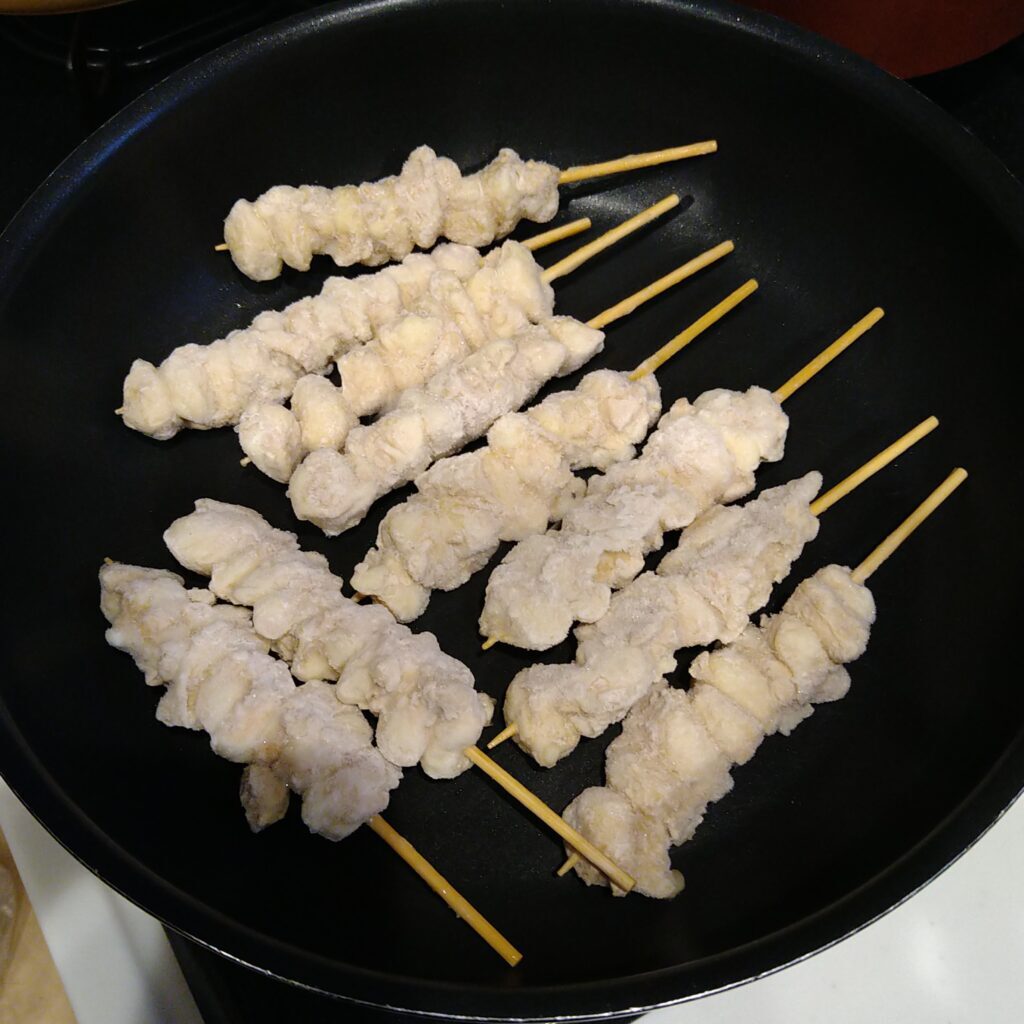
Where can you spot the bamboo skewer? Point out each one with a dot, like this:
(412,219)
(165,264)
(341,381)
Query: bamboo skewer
(609,238)
(882,552)
(462,907)
(549,237)
(909,525)
(701,324)
(637,299)
(820,361)
(510,730)
(635,161)
(533,803)
(872,466)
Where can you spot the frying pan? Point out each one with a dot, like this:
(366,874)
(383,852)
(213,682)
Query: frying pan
(842,189)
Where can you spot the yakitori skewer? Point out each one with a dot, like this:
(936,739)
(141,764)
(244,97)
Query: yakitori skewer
(467,504)
(377,222)
(335,489)
(428,710)
(703,592)
(677,747)
(534,242)
(452,320)
(701,454)
(212,385)
(220,678)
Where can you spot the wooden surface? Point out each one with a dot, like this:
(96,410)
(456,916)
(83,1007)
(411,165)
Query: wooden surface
(30,988)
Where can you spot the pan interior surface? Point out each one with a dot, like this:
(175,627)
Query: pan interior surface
(842,191)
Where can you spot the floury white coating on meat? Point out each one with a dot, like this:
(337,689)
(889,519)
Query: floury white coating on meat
(706,590)
(466,505)
(220,678)
(428,710)
(335,490)
(702,453)
(450,320)
(627,836)
(453,318)
(676,749)
(271,437)
(377,222)
(206,386)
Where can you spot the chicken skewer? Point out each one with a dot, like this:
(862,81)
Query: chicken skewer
(676,749)
(335,489)
(705,591)
(534,242)
(466,505)
(701,454)
(377,222)
(427,708)
(207,386)
(450,321)
(220,678)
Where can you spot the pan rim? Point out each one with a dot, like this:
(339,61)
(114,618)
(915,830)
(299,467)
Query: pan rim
(952,837)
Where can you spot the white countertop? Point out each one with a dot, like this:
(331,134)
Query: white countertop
(954,953)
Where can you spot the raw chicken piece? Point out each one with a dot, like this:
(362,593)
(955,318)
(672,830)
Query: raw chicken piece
(706,589)
(380,221)
(628,836)
(428,709)
(700,454)
(335,490)
(441,327)
(676,747)
(221,679)
(205,386)
(522,480)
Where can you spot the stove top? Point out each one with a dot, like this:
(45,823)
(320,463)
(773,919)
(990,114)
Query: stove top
(62,76)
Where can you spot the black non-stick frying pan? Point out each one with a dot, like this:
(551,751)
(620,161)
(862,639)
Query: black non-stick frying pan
(842,189)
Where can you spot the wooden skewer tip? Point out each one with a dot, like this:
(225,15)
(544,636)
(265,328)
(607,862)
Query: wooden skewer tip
(636,160)
(681,340)
(462,907)
(656,288)
(609,238)
(872,466)
(909,525)
(223,247)
(823,358)
(533,803)
(574,227)
(506,734)
(571,861)
(489,643)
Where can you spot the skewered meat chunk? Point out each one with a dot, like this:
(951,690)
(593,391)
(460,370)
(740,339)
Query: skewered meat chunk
(444,325)
(628,836)
(335,490)
(221,679)
(206,386)
(380,221)
(522,480)
(676,747)
(705,590)
(701,453)
(428,710)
